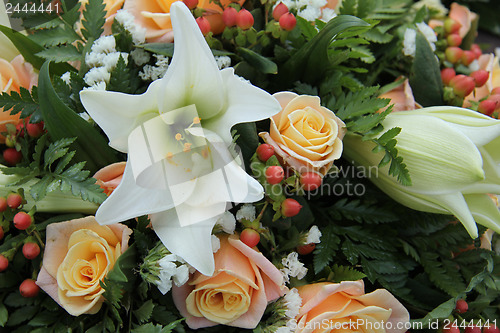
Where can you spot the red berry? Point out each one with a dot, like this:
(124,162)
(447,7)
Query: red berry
(250,237)
(454,40)
(476,49)
(468,57)
(274,174)
(310,180)
(451,329)
(264,152)
(244,19)
(288,22)
(191,4)
(447,74)
(290,207)
(453,54)
(31,250)
(472,329)
(20,129)
(495,91)
(3,204)
(204,25)
(487,107)
(280,10)
(491,329)
(461,306)
(28,288)
(35,130)
(22,220)
(12,156)
(306,249)
(462,85)
(14,200)
(4,263)
(229,16)
(480,77)
(451,26)
(1,233)
(496,100)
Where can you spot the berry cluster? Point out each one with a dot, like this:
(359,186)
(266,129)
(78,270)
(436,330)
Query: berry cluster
(461,74)
(23,236)
(12,154)
(279,183)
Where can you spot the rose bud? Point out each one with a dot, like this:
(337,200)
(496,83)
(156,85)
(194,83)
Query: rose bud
(204,25)
(229,16)
(28,288)
(454,40)
(468,57)
(447,74)
(453,54)
(480,77)
(280,10)
(288,22)
(244,19)
(290,207)
(250,237)
(264,152)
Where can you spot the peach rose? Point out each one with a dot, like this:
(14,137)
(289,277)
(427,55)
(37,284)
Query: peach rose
(490,63)
(462,15)
(325,305)
(401,97)
(13,76)
(109,177)
(154,15)
(305,135)
(78,255)
(237,294)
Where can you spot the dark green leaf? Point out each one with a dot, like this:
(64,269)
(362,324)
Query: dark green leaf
(425,76)
(258,61)
(62,122)
(93,19)
(144,313)
(324,252)
(61,54)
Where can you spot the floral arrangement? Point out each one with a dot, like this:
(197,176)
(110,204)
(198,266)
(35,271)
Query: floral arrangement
(275,166)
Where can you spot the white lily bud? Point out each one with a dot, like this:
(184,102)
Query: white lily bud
(453,158)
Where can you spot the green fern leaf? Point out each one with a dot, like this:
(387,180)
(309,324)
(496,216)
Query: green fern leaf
(324,252)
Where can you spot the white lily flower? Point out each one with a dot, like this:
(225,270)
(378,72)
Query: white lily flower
(453,157)
(179,169)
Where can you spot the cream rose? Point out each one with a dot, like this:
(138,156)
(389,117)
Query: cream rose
(236,294)
(325,305)
(78,255)
(305,135)
(109,177)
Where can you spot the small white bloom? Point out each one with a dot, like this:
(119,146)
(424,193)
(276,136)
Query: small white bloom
(409,42)
(223,61)
(169,270)
(95,75)
(104,44)
(140,56)
(429,34)
(181,275)
(434,5)
(110,60)
(293,301)
(318,3)
(283,329)
(474,65)
(101,85)
(327,14)
(215,243)
(66,77)
(127,21)
(227,222)
(310,13)
(314,235)
(247,211)
(125,18)
(293,267)
(94,59)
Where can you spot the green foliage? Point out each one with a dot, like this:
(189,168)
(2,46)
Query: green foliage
(359,211)
(120,77)
(323,254)
(24,102)
(341,273)
(49,172)
(93,19)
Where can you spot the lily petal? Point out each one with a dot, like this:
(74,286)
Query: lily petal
(192,243)
(245,103)
(118,114)
(193,72)
(129,200)
(484,210)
